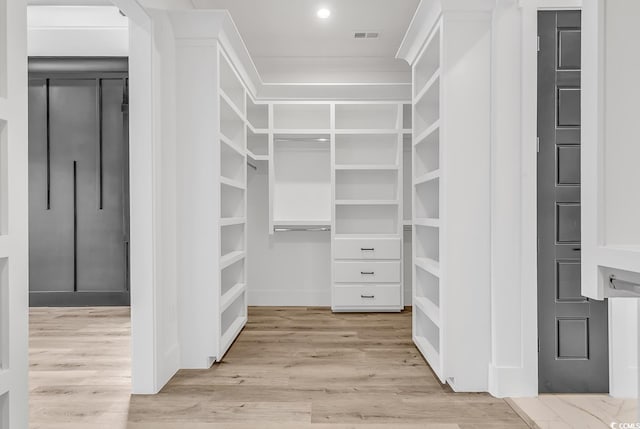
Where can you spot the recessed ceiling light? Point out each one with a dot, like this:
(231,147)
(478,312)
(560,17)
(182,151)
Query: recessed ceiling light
(323,13)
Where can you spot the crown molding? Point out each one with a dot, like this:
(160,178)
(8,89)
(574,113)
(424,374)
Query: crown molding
(426,17)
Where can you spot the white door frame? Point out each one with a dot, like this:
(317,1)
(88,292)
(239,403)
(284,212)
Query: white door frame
(144,359)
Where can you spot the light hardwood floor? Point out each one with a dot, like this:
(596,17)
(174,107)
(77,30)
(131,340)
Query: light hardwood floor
(290,368)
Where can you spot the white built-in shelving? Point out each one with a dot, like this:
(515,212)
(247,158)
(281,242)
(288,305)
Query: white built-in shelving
(233,138)
(450,200)
(367,206)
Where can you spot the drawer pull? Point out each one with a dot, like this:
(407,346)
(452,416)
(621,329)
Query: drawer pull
(367,249)
(367,273)
(367,296)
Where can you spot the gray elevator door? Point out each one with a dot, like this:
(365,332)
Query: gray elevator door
(573,344)
(78,194)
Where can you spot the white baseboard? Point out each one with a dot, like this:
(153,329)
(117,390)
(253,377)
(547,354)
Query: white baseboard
(289,298)
(512,382)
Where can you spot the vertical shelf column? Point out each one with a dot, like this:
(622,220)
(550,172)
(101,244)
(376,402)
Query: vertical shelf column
(427,314)
(367,207)
(234,128)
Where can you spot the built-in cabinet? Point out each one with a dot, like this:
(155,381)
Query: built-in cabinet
(337,166)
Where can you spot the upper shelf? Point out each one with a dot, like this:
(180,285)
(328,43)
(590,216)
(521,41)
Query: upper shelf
(301,116)
(367,116)
(257,115)
(231,85)
(428,63)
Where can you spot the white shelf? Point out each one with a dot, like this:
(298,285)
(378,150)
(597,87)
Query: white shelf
(230,221)
(427,177)
(426,133)
(232,183)
(372,236)
(229,336)
(429,265)
(367,131)
(224,139)
(4,109)
(231,104)
(371,167)
(430,354)
(231,295)
(257,130)
(367,202)
(434,223)
(257,157)
(302,131)
(302,222)
(231,258)
(428,308)
(427,86)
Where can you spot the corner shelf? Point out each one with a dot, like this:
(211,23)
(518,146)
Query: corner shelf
(232,221)
(231,258)
(367,202)
(232,183)
(230,296)
(231,104)
(429,265)
(371,167)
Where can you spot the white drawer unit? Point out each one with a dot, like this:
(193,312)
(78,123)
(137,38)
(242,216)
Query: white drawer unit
(367,272)
(367,248)
(367,297)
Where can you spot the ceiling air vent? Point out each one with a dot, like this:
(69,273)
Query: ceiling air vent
(366,35)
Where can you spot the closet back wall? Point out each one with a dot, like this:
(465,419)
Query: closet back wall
(286,268)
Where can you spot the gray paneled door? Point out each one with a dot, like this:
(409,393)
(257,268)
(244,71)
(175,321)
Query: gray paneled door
(78,182)
(573,343)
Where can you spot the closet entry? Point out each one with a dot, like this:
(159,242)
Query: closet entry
(78,181)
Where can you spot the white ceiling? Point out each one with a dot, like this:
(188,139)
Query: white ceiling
(288,43)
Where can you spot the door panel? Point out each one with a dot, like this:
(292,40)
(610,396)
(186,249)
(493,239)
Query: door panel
(573,352)
(101,236)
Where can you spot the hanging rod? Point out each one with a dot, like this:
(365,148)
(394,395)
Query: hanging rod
(623,284)
(251,165)
(300,228)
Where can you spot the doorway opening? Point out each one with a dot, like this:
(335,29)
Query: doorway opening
(79,181)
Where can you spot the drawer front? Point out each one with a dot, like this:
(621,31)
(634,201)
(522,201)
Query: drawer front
(367,272)
(363,248)
(367,296)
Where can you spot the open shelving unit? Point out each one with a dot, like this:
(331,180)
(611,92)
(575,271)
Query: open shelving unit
(450,192)
(234,131)
(367,207)
(426,204)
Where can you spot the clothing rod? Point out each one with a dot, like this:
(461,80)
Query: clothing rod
(300,228)
(251,165)
(623,284)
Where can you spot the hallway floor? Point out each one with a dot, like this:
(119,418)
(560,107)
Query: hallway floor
(290,368)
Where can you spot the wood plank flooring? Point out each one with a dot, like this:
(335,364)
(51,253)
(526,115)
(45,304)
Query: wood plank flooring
(290,368)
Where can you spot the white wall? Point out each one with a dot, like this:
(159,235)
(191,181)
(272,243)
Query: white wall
(77,31)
